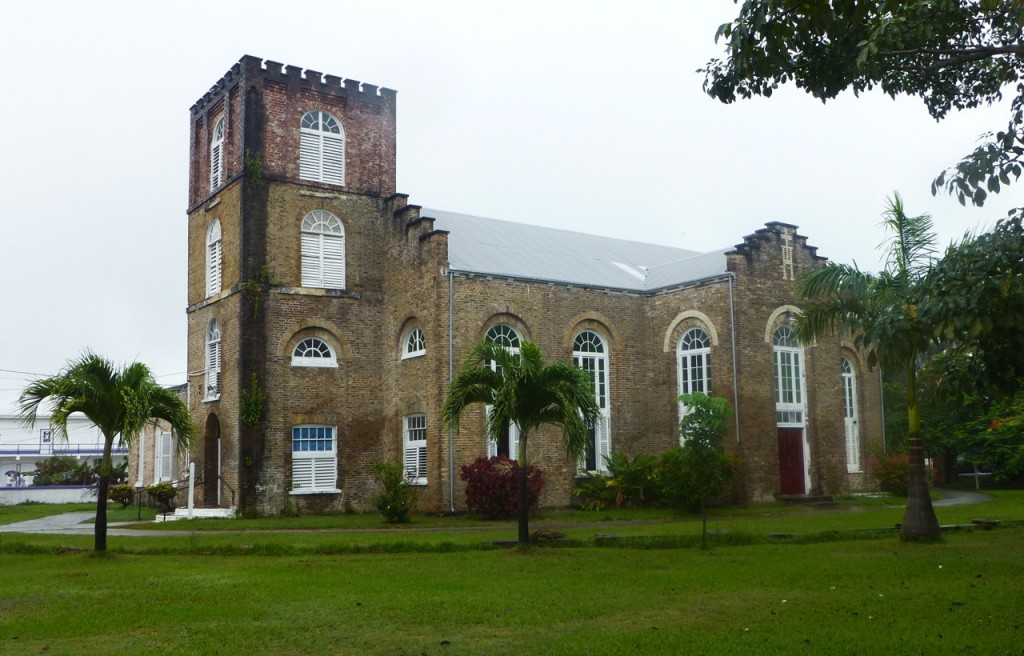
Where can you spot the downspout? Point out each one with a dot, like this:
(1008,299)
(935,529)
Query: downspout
(451,374)
(735,380)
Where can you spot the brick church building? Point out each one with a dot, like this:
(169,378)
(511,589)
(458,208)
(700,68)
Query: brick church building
(326,314)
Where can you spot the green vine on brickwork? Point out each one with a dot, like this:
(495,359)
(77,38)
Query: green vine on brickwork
(253,400)
(253,287)
(254,168)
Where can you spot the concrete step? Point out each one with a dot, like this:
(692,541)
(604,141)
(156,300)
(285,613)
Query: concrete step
(198,513)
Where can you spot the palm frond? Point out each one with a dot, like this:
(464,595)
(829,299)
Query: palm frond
(911,246)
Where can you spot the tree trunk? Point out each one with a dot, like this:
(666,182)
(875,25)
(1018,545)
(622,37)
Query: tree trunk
(919,521)
(523,501)
(100,528)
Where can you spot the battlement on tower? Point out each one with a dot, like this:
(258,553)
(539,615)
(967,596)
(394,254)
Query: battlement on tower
(252,67)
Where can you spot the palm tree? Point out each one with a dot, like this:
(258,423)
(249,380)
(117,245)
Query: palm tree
(119,401)
(876,310)
(525,390)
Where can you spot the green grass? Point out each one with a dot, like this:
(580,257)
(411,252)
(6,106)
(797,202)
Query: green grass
(865,597)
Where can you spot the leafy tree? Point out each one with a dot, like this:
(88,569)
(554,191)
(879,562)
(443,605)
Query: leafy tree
(876,311)
(525,390)
(120,401)
(952,54)
(700,469)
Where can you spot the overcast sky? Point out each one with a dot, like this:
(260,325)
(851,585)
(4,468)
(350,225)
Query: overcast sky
(586,116)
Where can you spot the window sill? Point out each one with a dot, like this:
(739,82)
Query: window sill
(295,493)
(411,356)
(418,482)
(211,399)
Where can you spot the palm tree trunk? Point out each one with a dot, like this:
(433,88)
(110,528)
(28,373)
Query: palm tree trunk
(100,528)
(919,521)
(523,501)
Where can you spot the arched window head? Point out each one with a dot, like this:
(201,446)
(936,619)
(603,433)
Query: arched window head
(321,148)
(214,261)
(415,344)
(217,154)
(785,336)
(588,342)
(694,339)
(213,350)
(323,250)
(504,335)
(313,352)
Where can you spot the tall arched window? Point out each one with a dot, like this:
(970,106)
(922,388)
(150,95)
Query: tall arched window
(217,154)
(590,355)
(213,259)
(693,364)
(321,148)
(506,444)
(323,250)
(850,416)
(212,360)
(789,395)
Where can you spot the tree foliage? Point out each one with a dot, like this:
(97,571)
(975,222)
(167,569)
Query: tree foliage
(119,401)
(525,390)
(879,313)
(952,54)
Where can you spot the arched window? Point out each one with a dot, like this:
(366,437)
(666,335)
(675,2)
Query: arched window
(212,361)
(321,148)
(693,364)
(850,416)
(789,395)
(506,444)
(323,250)
(590,355)
(213,259)
(313,352)
(217,154)
(415,344)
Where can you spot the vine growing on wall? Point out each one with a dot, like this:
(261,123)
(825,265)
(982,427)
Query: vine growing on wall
(253,287)
(253,400)
(253,168)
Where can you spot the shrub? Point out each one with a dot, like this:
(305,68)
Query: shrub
(634,483)
(892,471)
(492,486)
(121,493)
(594,491)
(162,494)
(63,470)
(397,498)
(677,488)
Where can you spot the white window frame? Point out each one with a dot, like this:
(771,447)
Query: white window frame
(414,345)
(787,360)
(163,457)
(211,382)
(217,153)
(301,354)
(321,148)
(851,423)
(693,365)
(507,336)
(322,240)
(314,470)
(591,355)
(214,259)
(414,450)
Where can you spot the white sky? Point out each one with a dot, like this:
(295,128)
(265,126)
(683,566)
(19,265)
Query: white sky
(586,116)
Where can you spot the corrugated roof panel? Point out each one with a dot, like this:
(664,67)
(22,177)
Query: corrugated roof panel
(518,250)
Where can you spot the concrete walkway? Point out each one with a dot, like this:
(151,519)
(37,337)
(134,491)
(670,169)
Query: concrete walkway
(72,523)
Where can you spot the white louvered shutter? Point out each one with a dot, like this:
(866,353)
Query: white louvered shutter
(213,370)
(325,472)
(333,159)
(302,473)
(213,271)
(603,443)
(309,156)
(312,276)
(333,261)
(513,442)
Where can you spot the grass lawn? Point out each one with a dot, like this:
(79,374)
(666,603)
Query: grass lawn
(318,585)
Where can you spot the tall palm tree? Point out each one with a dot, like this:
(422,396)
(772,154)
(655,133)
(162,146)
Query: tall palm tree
(119,401)
(525,390)
(877,312)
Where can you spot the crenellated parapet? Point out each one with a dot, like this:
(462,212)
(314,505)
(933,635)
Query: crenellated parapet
(253,67)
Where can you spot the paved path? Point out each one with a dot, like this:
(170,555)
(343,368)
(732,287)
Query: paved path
(72,523)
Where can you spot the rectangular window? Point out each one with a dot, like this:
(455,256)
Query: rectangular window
(163,462)
(314,460)
(415,452)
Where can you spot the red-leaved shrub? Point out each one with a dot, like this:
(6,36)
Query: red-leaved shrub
(492,486)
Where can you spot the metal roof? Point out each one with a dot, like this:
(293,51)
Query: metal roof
(519,250)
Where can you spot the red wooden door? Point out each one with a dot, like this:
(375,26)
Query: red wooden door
(791,460)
